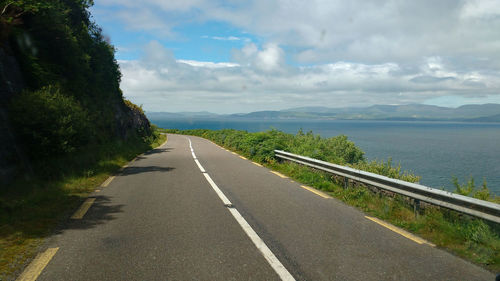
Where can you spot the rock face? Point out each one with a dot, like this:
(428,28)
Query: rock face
(129,121)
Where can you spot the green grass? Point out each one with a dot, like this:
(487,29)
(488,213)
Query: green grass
(473,239)
(30,209)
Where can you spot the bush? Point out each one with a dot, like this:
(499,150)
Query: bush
(133,106)
(49,123)
(337,149)
(386,169)
(469,189)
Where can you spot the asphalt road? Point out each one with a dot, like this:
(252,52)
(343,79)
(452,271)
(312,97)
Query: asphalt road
(161,219)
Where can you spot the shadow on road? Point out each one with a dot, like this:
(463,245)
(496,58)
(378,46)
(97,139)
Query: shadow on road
(102,211)
(19,228)
(154,151)
(158,150)
(144,169)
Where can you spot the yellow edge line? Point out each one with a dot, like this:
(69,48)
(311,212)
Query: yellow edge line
(317,192)
(234,153)
(279,175)
(108,181)
(257,164)
(83,209)
(36,267)
(242,157)
(400,231)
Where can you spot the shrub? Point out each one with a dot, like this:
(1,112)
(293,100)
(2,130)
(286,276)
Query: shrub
(469,189)
(133,106)
(386,169)
(49,123)
(337,149)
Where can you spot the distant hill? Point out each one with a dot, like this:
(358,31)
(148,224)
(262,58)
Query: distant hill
(259,114)
(472,113)
(410,111)
(493,118)
(479,110)
(164,115)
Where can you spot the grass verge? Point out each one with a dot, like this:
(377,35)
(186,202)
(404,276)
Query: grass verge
(473,239)
(30,209)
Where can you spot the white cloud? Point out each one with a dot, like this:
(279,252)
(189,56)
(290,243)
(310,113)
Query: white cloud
(156,54)
(208,64)
(162,83)
(354,52)
(482,8)
(270,58)
(334,30)
(143,19)
(228,38)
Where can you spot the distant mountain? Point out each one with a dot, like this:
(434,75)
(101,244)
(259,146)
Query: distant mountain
(318,109)
(493,118)
(259,114)
(383,112)
(170,115)
(409,112)
(479,110)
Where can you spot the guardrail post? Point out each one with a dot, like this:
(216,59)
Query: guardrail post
(416,207)
(346,183)
(280,160)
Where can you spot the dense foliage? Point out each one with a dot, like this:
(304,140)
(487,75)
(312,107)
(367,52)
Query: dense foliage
(72,96)
(50,123)
(260,146)
(469,189)
(57,43)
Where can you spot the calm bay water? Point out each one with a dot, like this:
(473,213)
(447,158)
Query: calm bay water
(436,151)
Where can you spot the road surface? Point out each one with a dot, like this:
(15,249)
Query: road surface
(204,213)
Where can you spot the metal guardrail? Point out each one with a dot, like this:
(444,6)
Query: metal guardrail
(467,205)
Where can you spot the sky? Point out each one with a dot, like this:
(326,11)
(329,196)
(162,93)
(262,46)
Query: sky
(242,56)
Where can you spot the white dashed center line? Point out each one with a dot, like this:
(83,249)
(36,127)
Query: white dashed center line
(257,241)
